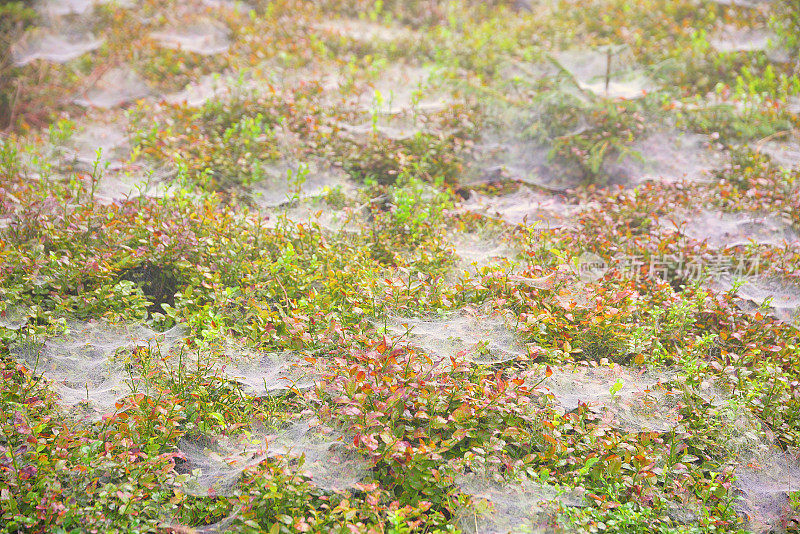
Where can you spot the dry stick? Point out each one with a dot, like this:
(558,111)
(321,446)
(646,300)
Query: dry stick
(95,76)
(13,108)
(760,144)
(5,64)
(285,294)
(372,201)
(588,94)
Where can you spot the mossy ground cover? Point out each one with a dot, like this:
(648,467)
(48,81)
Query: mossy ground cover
(400,267)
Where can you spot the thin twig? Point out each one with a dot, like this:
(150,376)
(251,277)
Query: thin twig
(371,201)
(761,142)
(563,70)
(12,115)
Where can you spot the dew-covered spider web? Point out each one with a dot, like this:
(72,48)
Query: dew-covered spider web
(14,317)
(115,87)
(785,153)
(216,87)
(399,89)
(667,156)
(268,373)
(478,250)
(634,400)
(781,294)
(92,366)
(316,211)
(732,39)
(508,154)
(202,36)
(501,506)
(765,472)
(524,206)
(214,465)
(608,73)
(286,181)
(108,145)
(724,230)
(478,337)
(56,8)
(328,460)
(363,31)
(55,46)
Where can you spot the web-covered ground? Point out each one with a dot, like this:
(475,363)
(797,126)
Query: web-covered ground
(423,266)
